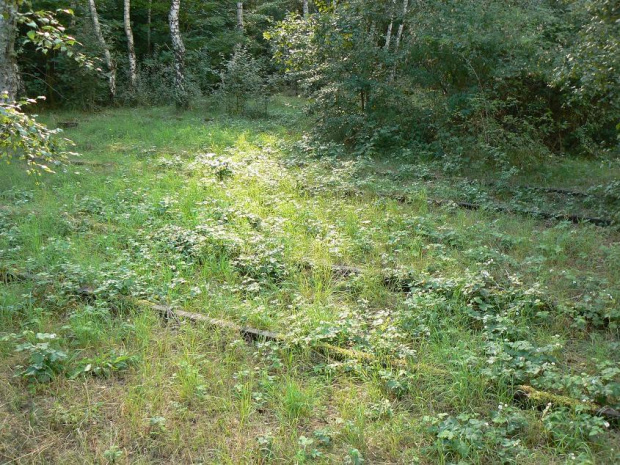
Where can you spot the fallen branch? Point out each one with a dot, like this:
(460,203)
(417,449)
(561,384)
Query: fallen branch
(533,396)
(542,399)
(253,334)
(88,163)
(576,219)
(12,276)
(555,190)
(68,124)
(496,184)
(527,393)
(72,162)
(249,334)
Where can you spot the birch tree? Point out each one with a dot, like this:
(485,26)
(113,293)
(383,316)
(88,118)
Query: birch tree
(306,9)
(401,27)
(399,36)
(388,34)
(240,16)
(149,22)
(131,51)
(178,47)
(109,62)
(9,71)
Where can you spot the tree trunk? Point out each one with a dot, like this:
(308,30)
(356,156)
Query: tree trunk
(109,62)
(74,5)
(306,9)
(388,34)
(9,71)
(149,22)
(179,55)
(131,51)
(399,36)
(240,16)
(401,27)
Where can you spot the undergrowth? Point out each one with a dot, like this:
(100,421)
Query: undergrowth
(246,221)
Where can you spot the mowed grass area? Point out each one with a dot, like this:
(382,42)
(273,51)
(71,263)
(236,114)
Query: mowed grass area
(244,220)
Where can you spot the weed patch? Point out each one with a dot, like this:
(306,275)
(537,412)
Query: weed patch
(325,326)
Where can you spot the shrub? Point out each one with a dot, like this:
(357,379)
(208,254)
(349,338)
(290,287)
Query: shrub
(241,80)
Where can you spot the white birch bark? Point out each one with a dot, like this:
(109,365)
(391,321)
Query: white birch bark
(179,53)
(306,8)
(388,34)
(240,16)
(399,36)
(109,62)
(9,71)
(401,27)
(131,51)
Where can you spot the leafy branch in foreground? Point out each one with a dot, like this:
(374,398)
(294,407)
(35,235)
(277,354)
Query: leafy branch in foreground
(47,34)
(22,137)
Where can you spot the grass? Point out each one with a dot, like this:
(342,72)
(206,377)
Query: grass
(241,219)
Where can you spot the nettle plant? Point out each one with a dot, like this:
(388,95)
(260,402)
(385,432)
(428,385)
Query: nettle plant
(198,244)
(502,315)
(104,365)
(469,436)
(210,163)
(46,359)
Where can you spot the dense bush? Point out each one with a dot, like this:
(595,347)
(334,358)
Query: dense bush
(463,81)
(482,78)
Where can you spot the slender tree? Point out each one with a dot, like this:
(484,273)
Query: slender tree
(401,27)
(9,71)
(109,62)
(306,9)
(74,5)
(149,22)
(240,16)
(388,34)
(178,47)
(131,51)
